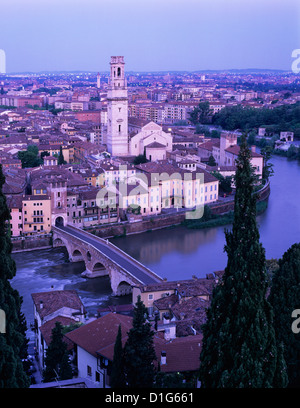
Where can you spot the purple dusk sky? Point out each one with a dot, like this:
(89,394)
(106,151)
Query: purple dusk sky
(153,35)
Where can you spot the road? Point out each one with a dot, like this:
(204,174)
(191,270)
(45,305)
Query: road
(113,253)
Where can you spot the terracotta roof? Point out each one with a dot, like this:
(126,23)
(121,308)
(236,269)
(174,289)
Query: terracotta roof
(55,300)
(101,333)
(46,328)
(186,288)
(209,144)
(166,302)
(182,353)
(236,149)
(99,336)
(155,145)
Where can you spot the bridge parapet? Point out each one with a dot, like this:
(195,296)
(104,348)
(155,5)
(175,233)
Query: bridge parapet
(116,249)
(101,257)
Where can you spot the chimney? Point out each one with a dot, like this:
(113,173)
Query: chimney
(163,358)
(253,148)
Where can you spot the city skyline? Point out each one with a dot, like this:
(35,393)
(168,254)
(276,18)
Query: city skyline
(152,35)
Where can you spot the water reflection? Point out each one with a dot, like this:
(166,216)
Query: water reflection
(175,253)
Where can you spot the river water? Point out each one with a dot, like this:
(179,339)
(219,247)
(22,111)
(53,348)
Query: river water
(174,253)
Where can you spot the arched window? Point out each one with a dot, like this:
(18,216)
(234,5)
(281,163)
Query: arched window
(119,71)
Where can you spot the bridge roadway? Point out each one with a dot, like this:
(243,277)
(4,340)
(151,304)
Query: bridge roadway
(130,265)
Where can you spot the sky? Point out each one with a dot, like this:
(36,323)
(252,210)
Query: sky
(152,35)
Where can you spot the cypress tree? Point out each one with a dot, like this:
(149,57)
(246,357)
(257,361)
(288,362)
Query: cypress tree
(239,346)
(61,159)
(139,353)
(56,361)
(117,378)
(13,342)
(285,297)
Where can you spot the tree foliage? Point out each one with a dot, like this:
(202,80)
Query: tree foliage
(13,344)
(281,118)
(285,297)
(57,357)
(139,353)
(30,157)
(239,347)
(61,159)
(201,113)
(117,378)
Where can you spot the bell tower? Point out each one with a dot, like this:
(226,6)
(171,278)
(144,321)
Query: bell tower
(117,109)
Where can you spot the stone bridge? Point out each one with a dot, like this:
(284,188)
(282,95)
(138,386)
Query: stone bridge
(102,258)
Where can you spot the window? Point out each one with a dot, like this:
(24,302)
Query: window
(89,371)
(150,297)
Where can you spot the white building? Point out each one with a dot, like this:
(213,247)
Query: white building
(62,306)
(152,141)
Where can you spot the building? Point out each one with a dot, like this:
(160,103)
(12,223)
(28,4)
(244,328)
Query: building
(94,349)
(16,222)
(117,109)
(225,152)
(64,306)
(152,141)
(36,214)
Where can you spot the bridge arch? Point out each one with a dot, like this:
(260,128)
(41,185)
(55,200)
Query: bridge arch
(58,242)
(124,288)
(59,221)
(98,266)
(99,269)
(77,255)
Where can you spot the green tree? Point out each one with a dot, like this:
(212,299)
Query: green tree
(173,380)
(201,114)
(268,170)
(30,157)
(211,161)
(225,182)
(292,152)
(141,158)
(139,353)
(251,138)
(61,159)
(239,346)
(285,297)
(57,359)
(117,378)
(13,343)
(45,153)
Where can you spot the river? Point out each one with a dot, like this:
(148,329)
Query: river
(174,253)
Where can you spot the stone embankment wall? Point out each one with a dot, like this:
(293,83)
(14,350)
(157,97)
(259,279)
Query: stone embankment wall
(128,228)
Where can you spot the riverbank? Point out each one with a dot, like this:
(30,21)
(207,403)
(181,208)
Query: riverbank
(221,213)
(214,220)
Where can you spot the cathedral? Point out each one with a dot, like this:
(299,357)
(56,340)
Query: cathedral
(147,139)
